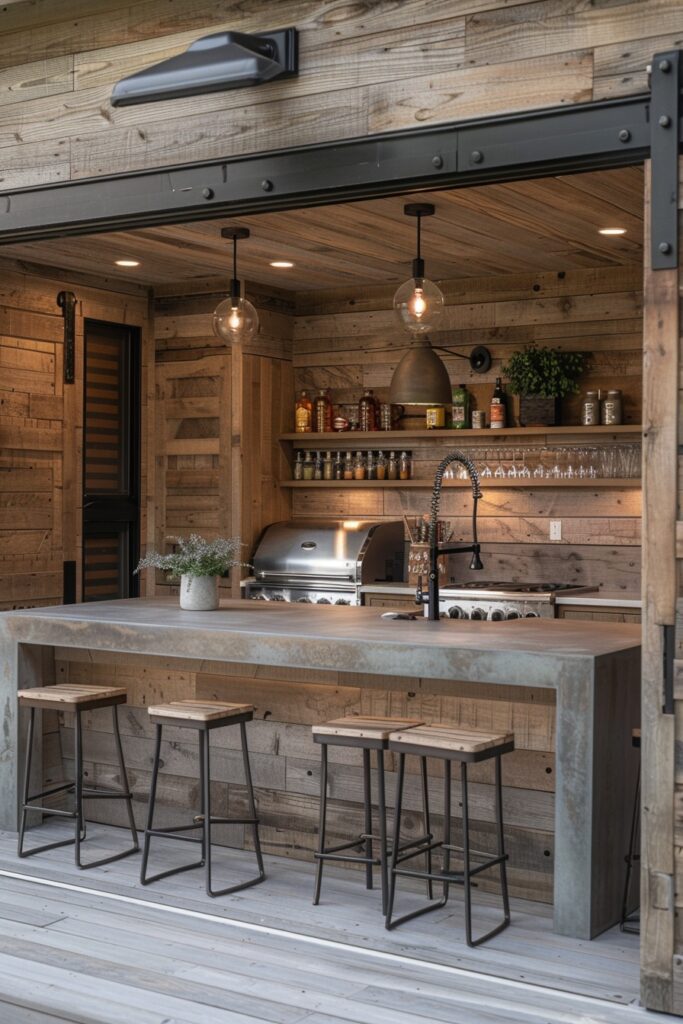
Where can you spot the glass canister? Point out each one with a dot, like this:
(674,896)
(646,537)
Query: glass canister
(590,409)
(611,409)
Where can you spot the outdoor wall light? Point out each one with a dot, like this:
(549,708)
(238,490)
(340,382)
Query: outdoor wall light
(235,319)
(224,60)
(612,231)
(418,303)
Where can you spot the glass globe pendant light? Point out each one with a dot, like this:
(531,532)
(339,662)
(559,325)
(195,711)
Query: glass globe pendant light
(418,303)
(235,319)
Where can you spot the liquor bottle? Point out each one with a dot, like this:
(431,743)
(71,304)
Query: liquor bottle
(299,466)
(367,411)
(498,406)
(461,408)
(303,414)
(323,412)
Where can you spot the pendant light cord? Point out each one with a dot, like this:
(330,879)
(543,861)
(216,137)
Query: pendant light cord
(235,291)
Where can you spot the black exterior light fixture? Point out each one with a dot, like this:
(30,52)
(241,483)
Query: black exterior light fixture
(235,319)
(421,377)
(223,60)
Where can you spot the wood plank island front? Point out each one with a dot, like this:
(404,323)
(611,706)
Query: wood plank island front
(592,668)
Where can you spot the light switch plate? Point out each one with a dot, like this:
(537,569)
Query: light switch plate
(556,529)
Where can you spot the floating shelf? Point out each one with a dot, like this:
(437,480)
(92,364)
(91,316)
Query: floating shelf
(350,438)
(351,485)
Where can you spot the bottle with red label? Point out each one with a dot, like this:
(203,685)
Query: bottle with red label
(498,406)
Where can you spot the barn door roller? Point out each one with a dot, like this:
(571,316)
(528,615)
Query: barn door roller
(665,127)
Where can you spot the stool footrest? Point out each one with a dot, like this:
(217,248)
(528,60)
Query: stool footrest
(57,812)
(199,820)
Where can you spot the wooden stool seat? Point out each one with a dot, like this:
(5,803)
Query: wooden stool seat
(455,742)
(200,710)
(65,696)
(369,727)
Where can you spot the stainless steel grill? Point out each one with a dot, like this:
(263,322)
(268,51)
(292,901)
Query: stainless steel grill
(320,561)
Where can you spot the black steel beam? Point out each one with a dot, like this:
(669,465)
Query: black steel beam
(558,140)
(665,145)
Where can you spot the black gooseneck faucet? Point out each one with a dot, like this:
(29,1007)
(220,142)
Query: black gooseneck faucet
(436,549)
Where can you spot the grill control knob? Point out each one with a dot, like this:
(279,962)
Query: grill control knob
(259,597)
(278,597)
(531,615)
(512,615)
(497,614)
(303,600)
(342,600)
(323,600)
(455,612)
(479,613)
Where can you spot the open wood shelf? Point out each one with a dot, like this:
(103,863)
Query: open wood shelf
(350,438)
(528,484)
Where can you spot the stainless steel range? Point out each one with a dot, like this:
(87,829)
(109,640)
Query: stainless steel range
(325,561)
(498,601)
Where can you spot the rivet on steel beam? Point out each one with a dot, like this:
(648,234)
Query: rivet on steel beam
(267,185)
(665,66)
(207,193)
(477,156)
(437,161)
(664,121)
(624,135)
(664,248)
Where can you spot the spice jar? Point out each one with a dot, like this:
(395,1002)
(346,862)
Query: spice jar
(328,466)
(404,466)
(348,466)
(611,409)
(370,467)
(359,467)
(309,467)
(338,467)
(298,473)
(381,466)
(392,467)
(590,409)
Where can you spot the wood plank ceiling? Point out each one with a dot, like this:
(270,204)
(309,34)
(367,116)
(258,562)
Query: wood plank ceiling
(543,224)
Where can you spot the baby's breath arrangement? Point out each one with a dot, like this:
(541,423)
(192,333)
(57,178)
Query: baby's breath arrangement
(195,556)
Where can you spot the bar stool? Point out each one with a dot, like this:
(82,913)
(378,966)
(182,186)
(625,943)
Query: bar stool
(366,734)
(204,716)
(448,744)
(630,920)
(75,699)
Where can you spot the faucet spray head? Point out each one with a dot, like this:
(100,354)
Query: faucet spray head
(476,562)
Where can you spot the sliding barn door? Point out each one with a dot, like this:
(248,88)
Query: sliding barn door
(662,718)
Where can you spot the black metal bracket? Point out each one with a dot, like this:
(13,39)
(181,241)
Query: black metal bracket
(665,125)
(69,583)
(669,644)
(67,303)
(529,144)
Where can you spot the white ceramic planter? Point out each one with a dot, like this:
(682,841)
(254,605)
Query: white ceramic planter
(199,593)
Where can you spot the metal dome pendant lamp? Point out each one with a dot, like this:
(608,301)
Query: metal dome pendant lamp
(235,319)
(421,378)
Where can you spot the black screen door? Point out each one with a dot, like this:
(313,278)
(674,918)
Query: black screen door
(111,461)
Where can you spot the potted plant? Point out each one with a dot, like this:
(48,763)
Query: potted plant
(197,563)
(542,377)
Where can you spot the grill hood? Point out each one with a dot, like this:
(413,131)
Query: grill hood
(343,550)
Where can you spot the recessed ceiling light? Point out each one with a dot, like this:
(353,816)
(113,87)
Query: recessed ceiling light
(127,263)
(612,231)
(281,264)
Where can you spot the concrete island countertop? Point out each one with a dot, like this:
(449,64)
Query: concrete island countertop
(345,639)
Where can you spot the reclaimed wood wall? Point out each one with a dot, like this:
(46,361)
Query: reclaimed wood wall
(285,762)
(351,343)
(41,424)
(365,68)
(218,417)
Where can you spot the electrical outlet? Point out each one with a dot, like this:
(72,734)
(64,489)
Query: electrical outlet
(556,529)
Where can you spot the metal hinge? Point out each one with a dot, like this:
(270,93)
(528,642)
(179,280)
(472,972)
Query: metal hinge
(664,147)
(67,303)
(661,890)
(669,646)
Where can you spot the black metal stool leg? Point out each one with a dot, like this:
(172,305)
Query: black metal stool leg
(397,839)
(27,782)
(205,785)
(625,924)
(124,777)
(252,804)
(322,824)
(446,824)
(150,806)
(501,842)
(78,786)
(382,813)
(367,798)
(202,797)
(426,824)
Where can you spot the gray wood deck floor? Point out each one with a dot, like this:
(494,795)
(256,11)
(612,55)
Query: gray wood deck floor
(96,948)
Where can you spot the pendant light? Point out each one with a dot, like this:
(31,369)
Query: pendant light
(235,319)
(421,378)
(418,303)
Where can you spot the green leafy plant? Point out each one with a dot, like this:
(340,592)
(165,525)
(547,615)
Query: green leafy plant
(195,556)
(546,372)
